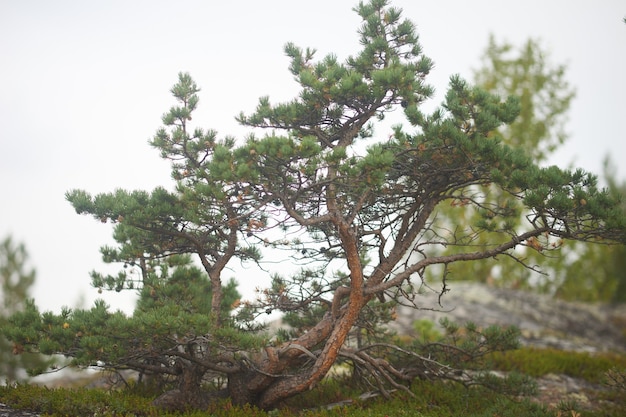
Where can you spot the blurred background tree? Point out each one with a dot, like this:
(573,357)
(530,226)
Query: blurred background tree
(542,87)
(573,271)
(545,97)
(16,280)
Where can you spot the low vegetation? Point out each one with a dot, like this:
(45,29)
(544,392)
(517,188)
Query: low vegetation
(538,362)
(341,396)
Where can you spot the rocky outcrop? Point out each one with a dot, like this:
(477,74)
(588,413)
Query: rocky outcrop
(6,411)
(543,321)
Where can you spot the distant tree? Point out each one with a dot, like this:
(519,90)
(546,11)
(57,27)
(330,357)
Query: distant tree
(544,93)
(544,98)
(354,215)
(16,283)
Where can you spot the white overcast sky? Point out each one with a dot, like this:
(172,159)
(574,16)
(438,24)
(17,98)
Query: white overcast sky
(83,85)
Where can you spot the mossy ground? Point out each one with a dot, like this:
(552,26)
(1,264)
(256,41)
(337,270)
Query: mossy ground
(432,398)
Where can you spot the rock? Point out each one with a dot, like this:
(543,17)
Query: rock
(6,411)
(543,321)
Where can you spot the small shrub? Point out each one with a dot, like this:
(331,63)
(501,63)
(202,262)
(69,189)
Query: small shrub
(426,331)
(616,378)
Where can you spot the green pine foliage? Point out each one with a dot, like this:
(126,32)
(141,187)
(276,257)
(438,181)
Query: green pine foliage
(169,311)
(592,272)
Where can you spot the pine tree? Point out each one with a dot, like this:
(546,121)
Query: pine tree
(353,209)
(543,90)
(17,282)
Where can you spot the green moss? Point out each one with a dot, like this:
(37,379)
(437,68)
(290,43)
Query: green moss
(438,399)
(328,391)
(432,399)
(76,402)
(537,362)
